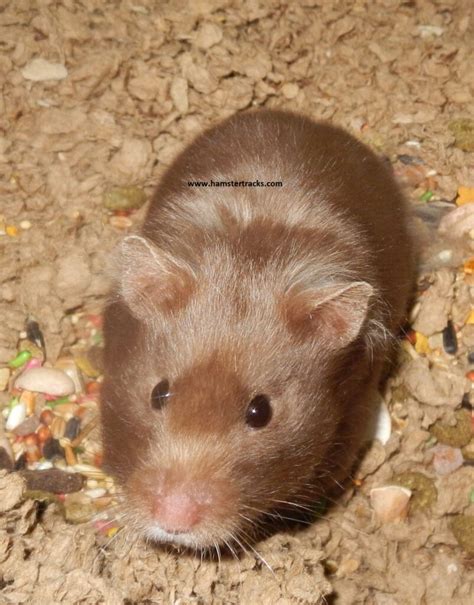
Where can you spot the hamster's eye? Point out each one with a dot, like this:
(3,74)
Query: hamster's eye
(160,394)
(259,412)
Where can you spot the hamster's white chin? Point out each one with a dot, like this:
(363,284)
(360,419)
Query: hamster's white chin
(156,534)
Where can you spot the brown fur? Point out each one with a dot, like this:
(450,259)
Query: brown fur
(294,292)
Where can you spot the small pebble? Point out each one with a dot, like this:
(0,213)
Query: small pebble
(470,357)
(53,480)
(450,341)
(16,416)
(446,459)
(25,225)
(390,503)
(29,425)
(45,380)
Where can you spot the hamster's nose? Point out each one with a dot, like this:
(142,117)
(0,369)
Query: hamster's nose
(177,511)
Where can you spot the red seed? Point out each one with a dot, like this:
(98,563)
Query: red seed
(96,320)
(93,388)
(470,375)
(43,433)
(47,416)
(32,453)
(98,460)
(31,440)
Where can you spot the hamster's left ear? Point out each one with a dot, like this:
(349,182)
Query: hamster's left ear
(149,279)
(333,313)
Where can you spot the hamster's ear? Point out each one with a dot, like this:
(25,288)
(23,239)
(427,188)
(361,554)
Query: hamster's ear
(150,280)
(333,313)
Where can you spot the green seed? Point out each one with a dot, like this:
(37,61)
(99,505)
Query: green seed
(463,131)
(426,196)
(59,401)
(424,491)
(462,527)
(124,198)
(458,435)
(20,360)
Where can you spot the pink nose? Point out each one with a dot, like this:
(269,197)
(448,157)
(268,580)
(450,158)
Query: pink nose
(177,512)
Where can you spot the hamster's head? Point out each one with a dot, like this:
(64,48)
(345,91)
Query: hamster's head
(222,398)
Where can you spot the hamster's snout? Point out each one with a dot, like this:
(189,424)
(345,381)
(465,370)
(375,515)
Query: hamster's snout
(184,503)
(181,507)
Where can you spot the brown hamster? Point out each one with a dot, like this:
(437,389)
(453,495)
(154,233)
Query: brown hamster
(248,324)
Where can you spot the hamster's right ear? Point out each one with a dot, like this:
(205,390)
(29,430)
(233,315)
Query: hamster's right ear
(149,279)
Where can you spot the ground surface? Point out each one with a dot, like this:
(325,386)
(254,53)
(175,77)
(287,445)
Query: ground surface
(131,84)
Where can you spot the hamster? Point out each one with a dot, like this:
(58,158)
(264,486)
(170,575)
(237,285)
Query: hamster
(247,326)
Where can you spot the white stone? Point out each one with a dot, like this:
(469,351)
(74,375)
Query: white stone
(16,416)
(38,70)
(46,380)
(98,492)
(69,367)
(44,465)
(380,425)
(390,503)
